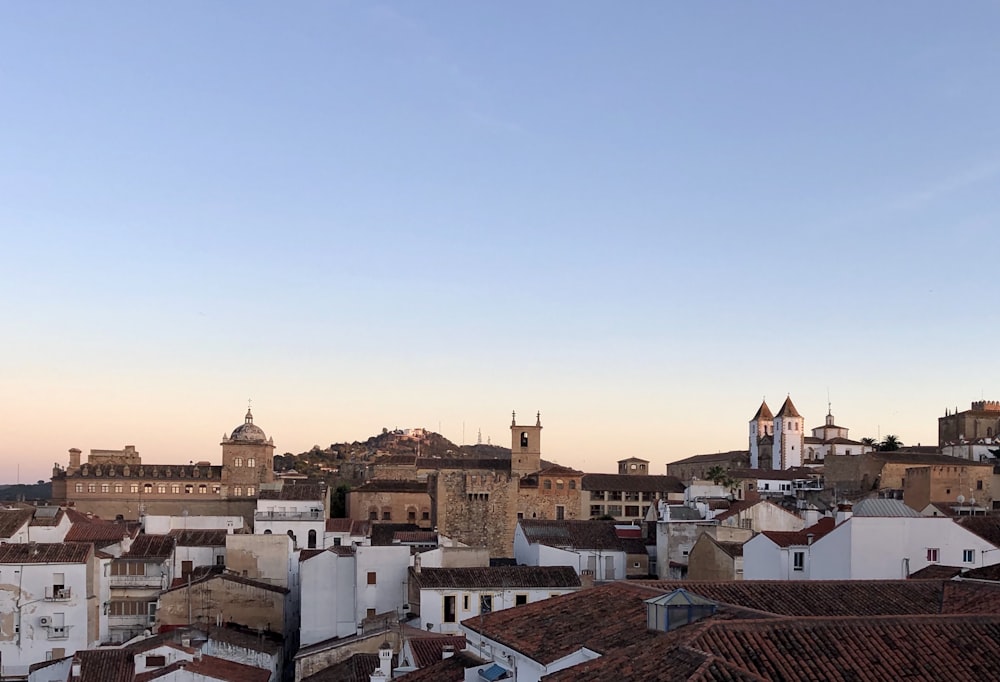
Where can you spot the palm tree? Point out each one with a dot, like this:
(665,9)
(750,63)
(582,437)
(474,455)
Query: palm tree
(890,443)
(716,474)
(870,442)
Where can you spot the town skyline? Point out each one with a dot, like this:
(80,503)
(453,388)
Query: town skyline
(638,221)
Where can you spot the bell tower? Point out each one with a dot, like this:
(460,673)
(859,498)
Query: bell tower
(525,446)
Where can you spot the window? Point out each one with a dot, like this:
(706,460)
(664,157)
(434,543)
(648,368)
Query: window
(119,488)
(635,564)
(449,608)
(559,484)
(188,489)
(175,488)
(572,485)
(148,488)
(220,560)
(631,510)
(251,461)
(614,510)
(597,510)
(311,542)
(370,613)
(411,516)
(202,489)
(79,487)
(251,490)
(425,516)
(746,524)
(161,488)
(373,514)
(105,488)
(524,439)
(238,491)
(799,561)
(560,512)
(520,599)
(216,489)
(238,462)
(372,578)
(615,495)
(91,488)
(979,484)
(156,661)
(465,602)
(386,515)
(932,554)
(486,603)
(632,496)
(336,542)
(547,484)
(968,556)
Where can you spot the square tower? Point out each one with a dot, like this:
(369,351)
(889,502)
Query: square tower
(525,447)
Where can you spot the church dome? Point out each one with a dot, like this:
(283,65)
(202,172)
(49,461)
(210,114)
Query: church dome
(248,432)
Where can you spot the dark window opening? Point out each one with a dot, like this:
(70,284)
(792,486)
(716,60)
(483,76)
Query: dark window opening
(524,439)
(449,609)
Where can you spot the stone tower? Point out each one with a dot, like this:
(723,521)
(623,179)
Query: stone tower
(525,447)
(247,460)
(789,437)
(761,436)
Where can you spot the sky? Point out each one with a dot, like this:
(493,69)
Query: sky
(639,219)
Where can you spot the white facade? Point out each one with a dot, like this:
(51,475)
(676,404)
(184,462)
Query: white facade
(302,520)
(44,608)
(342,587)
(870,548)
(525,669)
(762,516)
(200,555)
(473,601)
(162,525)
(601,564)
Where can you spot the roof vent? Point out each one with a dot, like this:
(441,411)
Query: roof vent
(677,609)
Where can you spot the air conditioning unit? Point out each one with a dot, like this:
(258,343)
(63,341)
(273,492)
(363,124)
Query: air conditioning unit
(44,621)
(62,594)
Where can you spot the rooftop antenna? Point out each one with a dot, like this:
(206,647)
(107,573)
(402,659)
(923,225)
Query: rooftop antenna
(479,436)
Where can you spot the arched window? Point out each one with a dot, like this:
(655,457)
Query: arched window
(524,439)
(238,491)
(148,488)
(251,462)
(202,489)
(292,536)
(312,539)
(268,531)
(238,462)
(188,489)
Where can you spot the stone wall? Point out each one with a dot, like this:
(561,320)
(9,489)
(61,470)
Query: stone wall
(398,504)
(477,508)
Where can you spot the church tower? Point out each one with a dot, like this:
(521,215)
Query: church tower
(525,447)
(247,460)
(761,436)
(789,437)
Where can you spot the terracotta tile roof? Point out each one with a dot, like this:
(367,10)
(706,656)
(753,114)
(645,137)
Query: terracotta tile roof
(101,533)
(736,507)
(357,668)
(663,661)
(634,546)
(496,576)
(787,409)
(203,574)
(306,554)
(733,549)
(935,572)
(199,538)
(714,457)
(415,537)
(346,526)
(106,665)
(558,470)
(445,670)
(211,668)
(151,547)
(601,618)
(784,538)
(427,650)
(971,596)
(630,532)
(383,533)
(298,491)
(986,527)
(463,463)
(46,553)
(576,534)
(627,483)
(791,474)
(762,412)
(12,520)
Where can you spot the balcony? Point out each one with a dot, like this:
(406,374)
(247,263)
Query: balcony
(140,620)
(58,631)
(57,593)
(312,515)
(153,581)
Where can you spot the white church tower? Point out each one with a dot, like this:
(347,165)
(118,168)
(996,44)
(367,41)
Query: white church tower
(761,432)
(789,437)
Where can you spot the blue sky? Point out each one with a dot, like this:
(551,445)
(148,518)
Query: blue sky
(638,219)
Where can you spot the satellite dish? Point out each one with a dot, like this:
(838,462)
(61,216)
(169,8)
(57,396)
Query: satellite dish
(961,499)
(972,501)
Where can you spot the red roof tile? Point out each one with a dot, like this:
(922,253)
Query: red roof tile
(427,650)
(212,668)
(784,538)
(46,553)
(496,576)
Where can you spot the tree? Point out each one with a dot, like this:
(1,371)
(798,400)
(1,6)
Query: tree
(720,476)
(890,443)
(870,442)
(338,501)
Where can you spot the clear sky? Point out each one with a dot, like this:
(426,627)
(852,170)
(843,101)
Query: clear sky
(638,218)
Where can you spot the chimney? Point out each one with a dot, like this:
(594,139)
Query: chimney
(811,516)
(384,661)
(810,537)
(844,512)
(74,460)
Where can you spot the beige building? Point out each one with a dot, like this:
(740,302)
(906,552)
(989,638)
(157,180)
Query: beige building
(715,560)
(946,483)
(626,497)
(116,483)
(388,500)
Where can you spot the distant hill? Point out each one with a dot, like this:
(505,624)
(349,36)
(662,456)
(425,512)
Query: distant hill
(416,442)
(35,491)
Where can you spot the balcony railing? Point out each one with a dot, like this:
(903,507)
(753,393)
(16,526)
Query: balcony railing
(136,580)
(58,593)
(316,515)
(138,620)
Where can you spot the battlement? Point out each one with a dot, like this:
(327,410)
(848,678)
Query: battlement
(986,406)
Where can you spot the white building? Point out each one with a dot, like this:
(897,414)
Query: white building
(48,605)
(344,533)
(781,439)
(162,525)
(295,510)
(884,540)
(197,548)
(342,586)
(591,547)
(444,597)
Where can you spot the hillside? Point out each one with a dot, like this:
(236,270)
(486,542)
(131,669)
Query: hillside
(29,492)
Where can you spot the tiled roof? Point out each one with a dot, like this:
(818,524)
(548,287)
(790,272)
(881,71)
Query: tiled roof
(986,527)
(102,533)
(45,553)
(12,520)
(935,572)
(714,457)
(211,668)
(733,549)
(557,470)
(298,491)
(106,665)
(738,506)
(763,412)
(203,574)
(350,526)
(397,460)
(972,596)
(306,554)
(463,463)
(634,546)
(357,668)
(496,576)
(383,533)
(627,483)
(661,660)
(818,597)
(444,670)
(791,474)
(427,650)
(199,538)
(784,538)
(385,485)
(415,537)
(788,409)
(576,534)
(151,547)
(926,459)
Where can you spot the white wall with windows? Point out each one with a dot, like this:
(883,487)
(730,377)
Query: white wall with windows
(443,609)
